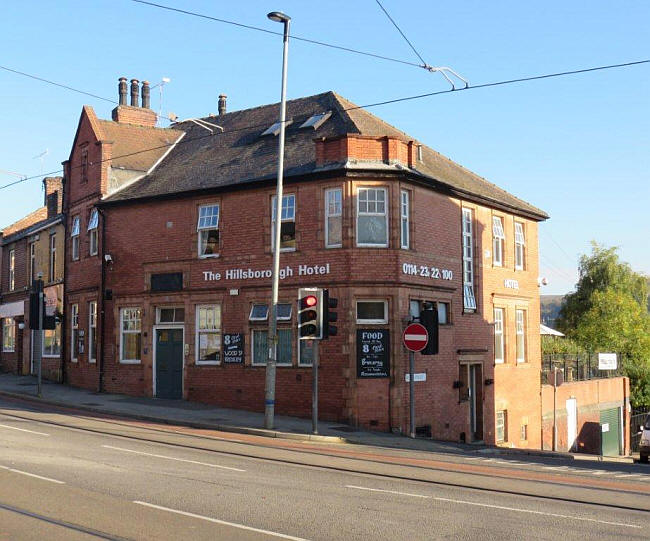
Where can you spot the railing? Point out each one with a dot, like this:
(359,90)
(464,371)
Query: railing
(637,419)
(577,366)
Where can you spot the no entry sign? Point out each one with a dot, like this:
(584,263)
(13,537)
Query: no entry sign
(415,337)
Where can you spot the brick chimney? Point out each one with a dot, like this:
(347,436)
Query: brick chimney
(53,200)
(134,114)
(222,104)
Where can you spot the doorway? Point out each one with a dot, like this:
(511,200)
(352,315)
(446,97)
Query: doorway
(169,363)
(471,377)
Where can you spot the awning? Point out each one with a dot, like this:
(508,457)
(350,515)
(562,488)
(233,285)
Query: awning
(12,309)
(543,329)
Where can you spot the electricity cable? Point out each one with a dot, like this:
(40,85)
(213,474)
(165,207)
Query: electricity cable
(400,31)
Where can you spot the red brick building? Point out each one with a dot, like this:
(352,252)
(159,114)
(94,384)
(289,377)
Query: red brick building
(171,269)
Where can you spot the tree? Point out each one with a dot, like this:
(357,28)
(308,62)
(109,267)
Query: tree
(608,312)
(600,271)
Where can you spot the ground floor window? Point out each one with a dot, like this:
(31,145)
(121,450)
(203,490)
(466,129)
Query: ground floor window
(130,336)
(501,429)
(8,335)
(52,341)
(208,334)
(371,311)
(260,351)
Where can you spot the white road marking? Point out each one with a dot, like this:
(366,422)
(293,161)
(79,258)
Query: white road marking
(504,508)
(24,430)
(599,472)
(33,475)
(217,521)
(630,475)
(172,458)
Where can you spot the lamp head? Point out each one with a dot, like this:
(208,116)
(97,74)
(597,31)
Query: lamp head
(279,17)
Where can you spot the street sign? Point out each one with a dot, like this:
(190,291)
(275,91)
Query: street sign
(556,377)
(607,361)
(416,377)
(415,337)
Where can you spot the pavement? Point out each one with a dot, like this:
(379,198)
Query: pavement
(197,415)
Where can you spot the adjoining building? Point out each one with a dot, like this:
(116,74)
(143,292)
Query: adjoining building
(169,254)
(33,247)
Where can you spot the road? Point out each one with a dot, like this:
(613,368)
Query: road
(66,474)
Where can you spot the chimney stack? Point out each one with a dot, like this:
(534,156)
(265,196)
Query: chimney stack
(145,95)
(222,104)
(135,102)
(53,187)
(121,88)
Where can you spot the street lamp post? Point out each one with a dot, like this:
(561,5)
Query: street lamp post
(269,391)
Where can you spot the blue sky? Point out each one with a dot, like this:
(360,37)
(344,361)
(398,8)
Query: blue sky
(577,147)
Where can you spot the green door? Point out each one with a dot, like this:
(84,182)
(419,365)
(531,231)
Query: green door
(610,431)
(169,363)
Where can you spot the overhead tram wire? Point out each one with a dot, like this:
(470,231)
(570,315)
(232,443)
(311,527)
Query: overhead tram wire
(293,37)
(367,106)
(402,33)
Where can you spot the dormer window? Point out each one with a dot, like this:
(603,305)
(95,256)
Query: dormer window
(316,121)
(275,128)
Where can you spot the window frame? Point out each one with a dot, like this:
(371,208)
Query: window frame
(503,424)
(359,321)
(93,237)
(208,228)
(8,335)
(498,241)
(265,330)
(405,211)
(384,189)
(12,269)
(499,332)
(123,332)
(266,316)
(283,220)
(198,332)
(32,262)
(520,333)
(74,236)
(74,332)
(52,261)
(520,246)
(92,331)
(469,297)
(57,331)
(328,216)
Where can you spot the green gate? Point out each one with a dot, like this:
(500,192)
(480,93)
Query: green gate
(610,431)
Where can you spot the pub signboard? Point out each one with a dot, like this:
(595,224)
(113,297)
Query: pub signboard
(373,353)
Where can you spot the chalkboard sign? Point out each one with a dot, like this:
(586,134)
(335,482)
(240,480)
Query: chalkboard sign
(233,348)
(171,281)
(373,353)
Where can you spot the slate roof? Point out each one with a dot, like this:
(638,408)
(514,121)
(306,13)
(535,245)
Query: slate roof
(130,141)
(39,215)
(240,156)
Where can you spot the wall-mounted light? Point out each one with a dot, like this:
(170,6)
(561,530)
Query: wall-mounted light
(108,258)
(489,382)
(458,384)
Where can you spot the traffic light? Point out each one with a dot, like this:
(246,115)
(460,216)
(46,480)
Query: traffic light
(310,313)
(329,303)
(429,318)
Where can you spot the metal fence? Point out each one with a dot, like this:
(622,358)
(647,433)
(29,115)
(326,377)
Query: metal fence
(636,420)
(577,366)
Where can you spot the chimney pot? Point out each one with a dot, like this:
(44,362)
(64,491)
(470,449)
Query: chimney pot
(122,89)
(146,92)
(134,93)
(222,104)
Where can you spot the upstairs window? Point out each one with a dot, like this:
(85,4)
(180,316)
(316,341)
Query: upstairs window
(520,243)
(12,269)
(469,300)
(208,229)
(499,345)
(92,232)
(287,223)
(520,321)
(52,258)
(333,217)
(404,215)
(74,235)
(372,217)
(32,261)
(498,238)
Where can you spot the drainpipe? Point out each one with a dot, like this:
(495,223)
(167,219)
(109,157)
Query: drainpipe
(100,305)
(64,327)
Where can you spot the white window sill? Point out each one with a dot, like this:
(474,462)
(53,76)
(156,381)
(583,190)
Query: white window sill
(74,360)
(51,356)
(92,361)
(372,245)
(498,361)
(329,247)
(207,363)
(209,256)
(130,361)
(8,351)
(371,322)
